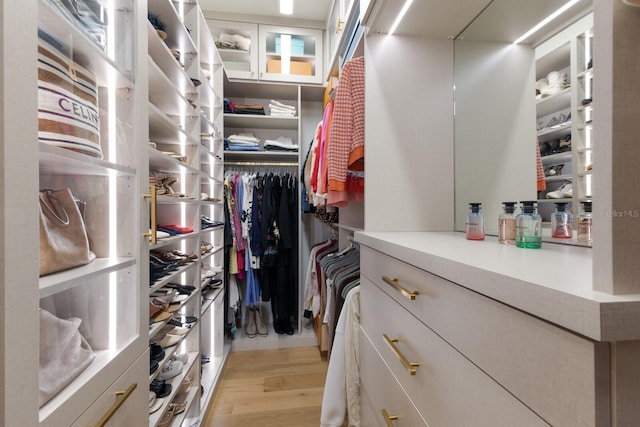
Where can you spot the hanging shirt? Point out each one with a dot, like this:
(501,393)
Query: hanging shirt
(346,136)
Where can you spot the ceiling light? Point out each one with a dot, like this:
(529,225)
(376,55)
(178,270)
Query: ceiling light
(545,21)
(400,16)
(286,7)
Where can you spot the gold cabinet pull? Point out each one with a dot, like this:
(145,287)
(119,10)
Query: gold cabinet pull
(389,419)
(121,396)
(409,366)
(153,195)
(404,291)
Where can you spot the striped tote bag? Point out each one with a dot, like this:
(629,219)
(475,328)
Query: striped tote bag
(68,114)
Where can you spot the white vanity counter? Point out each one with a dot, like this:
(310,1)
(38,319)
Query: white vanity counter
(553,283)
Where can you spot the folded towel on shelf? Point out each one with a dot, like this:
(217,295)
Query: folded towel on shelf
(233,41)
(279,109)
(243,137)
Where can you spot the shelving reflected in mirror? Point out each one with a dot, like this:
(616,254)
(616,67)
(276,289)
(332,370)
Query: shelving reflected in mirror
(521,126)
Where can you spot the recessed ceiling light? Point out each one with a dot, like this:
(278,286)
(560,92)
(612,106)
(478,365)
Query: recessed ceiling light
(399,17)
(286,7)
(545,21)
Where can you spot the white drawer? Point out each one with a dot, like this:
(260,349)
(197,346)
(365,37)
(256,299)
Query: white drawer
(549,369)
(381,391)
(134,409)
(447,389)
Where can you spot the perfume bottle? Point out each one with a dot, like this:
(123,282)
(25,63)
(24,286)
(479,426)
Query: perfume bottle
(585,221)
(475,222)
(561,222)
(507,224)
(528,227)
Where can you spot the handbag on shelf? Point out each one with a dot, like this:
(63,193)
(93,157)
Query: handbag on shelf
(64,242)
(68,114)
(64,354)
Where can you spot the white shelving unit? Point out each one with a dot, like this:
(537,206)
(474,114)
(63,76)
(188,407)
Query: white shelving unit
(185,126)
(569,51)
(301,129)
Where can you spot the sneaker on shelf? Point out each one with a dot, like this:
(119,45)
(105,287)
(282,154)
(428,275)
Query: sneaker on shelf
(180,357)
(207,271)
(171,369)
(564,191)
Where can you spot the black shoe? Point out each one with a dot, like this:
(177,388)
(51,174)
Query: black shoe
(277,326)
(156,352)
(160,388)
(288,328)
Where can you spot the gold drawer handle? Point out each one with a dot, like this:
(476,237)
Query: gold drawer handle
(404,291)
(121,397)
(409,366)
(389,419)
(153,195)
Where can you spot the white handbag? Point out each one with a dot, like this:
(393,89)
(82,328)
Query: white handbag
(64,354)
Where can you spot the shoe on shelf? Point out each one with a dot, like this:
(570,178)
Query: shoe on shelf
(156,352)
(153,366)
(177,407)
(564,191)
(171,369)
(180,357)
(175,330)
(160,387)
(169,340)
(154,402)
(184,386)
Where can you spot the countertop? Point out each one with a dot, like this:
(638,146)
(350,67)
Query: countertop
(553,283)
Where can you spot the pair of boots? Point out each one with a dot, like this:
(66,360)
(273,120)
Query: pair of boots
(255,325)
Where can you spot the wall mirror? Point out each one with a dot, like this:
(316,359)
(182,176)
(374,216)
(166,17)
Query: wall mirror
(498,118)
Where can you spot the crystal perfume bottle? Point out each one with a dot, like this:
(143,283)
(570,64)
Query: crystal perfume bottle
(585,222)
(475,222)
(507,224)
(561,222)
(528,226)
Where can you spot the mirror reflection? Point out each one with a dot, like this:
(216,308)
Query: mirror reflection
(523,113)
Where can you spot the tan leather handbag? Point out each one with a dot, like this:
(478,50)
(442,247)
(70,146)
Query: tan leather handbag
(64,242)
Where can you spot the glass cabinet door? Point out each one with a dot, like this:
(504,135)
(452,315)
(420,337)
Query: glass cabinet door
(290,54)
(237,46)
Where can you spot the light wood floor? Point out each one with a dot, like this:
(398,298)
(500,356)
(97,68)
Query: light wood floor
(265,388)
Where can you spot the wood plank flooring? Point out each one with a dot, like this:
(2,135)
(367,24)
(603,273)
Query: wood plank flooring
(265,388)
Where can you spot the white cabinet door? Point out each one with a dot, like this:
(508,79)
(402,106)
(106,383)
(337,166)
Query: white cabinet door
(237,43)
(105,295)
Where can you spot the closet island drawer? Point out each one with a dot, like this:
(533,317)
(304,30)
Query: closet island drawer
(447,389)
(133,402)
(559,375)
(381,391)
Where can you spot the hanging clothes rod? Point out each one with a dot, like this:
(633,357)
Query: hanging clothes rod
(291,164)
